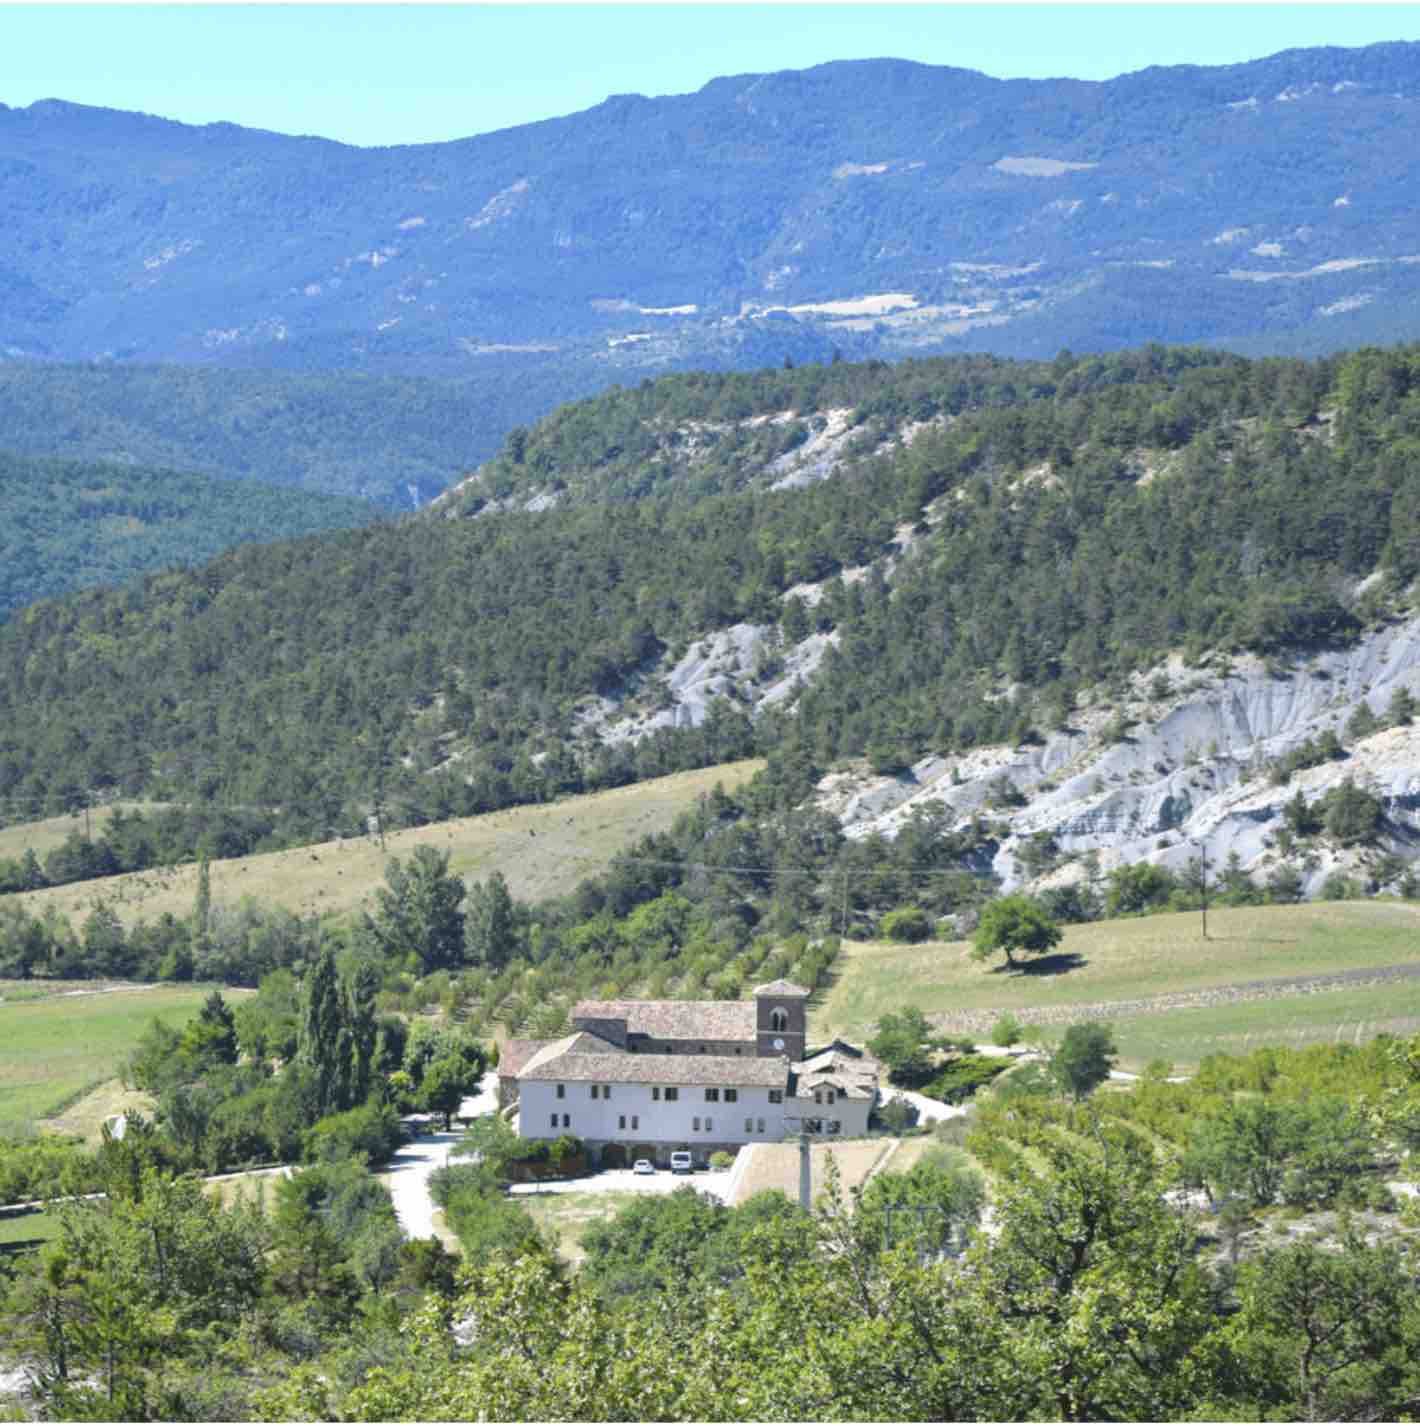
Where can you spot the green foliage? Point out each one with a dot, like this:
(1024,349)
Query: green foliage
(66,525)
(1013,925)
(902,1043)
(370,1132)
(1351,815)
(1006,1031)
(1138,888)
(375,654)
(1083,1059)
(1305,1153)
(418,922)
(963,1075)
(906,923)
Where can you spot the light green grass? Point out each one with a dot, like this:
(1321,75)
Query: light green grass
(26,1227)
(1126,960)
(542,851)
(52,1048)
(567,1216)
(1348,1015)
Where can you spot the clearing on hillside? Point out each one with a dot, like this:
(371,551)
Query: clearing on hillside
(542,851)
(44,836)
(1178,983)
(58,1048)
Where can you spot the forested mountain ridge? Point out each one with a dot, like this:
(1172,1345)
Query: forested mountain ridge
(70,525)
(1072,522)
(875,207)
(393,440)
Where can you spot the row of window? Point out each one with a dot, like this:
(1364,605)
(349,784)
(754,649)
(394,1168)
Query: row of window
(671,1093)
(752,1126)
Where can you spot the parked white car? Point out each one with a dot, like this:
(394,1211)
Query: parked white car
(643,1166)
(681,1162)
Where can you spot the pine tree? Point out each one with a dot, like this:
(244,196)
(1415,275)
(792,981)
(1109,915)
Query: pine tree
(491,934)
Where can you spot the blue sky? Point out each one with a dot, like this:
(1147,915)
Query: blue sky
(387,74)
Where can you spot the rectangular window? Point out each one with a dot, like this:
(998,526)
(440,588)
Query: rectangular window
(606,1091)
(709,1125)
(621,1121)
(731,1096)
(749,1126)
(776,1096)
(835,1126)
(554,1121)
(562,1091)
(635,1121)
(761,1127)
(695,1124)
(594,1090)
(712,1096)
(566,1121)
(655,1091)
(673,1093)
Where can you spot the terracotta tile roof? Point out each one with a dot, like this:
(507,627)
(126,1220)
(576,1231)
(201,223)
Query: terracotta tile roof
(676,1019)
(781,987)
(514,1054)
(569,1061)
(853,1075)
(579,1042)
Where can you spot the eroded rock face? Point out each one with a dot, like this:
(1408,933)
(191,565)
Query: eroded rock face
(1191,769)
(748,665)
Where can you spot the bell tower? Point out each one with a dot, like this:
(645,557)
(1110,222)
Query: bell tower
(781,1015)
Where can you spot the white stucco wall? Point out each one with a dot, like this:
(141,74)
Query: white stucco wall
(660,1121)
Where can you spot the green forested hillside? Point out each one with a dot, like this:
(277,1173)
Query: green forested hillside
(67,525)
(1074,520)
(393,440)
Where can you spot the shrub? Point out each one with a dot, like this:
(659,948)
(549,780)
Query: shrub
(963,1077)
(721,1160)
(1006,1031)
(907,923)
(370,1131)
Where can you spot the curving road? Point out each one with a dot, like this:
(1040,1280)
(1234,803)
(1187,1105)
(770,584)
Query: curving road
(407,1174)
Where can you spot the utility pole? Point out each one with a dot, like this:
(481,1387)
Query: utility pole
(806,1192)
(1203,868)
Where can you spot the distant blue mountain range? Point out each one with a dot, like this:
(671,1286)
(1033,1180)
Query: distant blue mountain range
(875,208)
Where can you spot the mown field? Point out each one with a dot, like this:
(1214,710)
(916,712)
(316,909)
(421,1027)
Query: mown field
(542,851)
(44,836)
(1133,960)
(57,1049)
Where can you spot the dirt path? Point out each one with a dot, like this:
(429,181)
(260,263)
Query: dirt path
(981,1021)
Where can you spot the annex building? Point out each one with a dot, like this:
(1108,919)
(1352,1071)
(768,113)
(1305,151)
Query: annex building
(642,1078)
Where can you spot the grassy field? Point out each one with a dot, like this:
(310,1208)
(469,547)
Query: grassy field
(542,851)
(44,836)
(54,1048)
(19,1230)
(1349,1015)
(1156,955)
(567,1216)
(86,1116)
(1124,960)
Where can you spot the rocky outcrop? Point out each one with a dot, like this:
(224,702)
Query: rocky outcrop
(1181,763)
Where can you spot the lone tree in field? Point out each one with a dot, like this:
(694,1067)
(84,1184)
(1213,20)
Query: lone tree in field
(1014,924)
